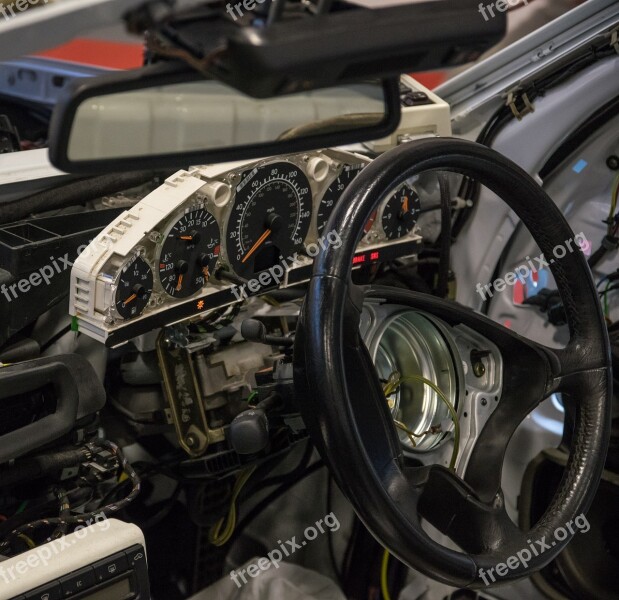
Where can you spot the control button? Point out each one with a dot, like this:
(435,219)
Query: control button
(51,591)
(77,582)
(136,556)
(110,567)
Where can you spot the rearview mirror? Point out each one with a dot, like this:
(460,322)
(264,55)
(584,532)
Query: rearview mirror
(161,116)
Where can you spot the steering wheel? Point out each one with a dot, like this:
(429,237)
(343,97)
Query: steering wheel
(344,407)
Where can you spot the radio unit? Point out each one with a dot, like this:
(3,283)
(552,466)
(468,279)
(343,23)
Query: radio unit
(105,561)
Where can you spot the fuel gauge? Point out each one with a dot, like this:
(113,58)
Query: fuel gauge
(133,287)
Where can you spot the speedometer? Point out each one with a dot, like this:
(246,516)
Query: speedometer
(270,218)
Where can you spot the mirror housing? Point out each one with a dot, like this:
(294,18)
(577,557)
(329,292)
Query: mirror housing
(168,115)
(358,39)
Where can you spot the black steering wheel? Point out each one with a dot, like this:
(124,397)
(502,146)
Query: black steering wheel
(344,406)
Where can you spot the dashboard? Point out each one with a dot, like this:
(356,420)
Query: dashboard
(210,237)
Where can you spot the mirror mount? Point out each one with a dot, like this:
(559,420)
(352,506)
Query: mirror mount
(357,39)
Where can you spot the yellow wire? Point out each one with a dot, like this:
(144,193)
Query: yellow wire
(407,431)
(218,537)
(26,539)
(393,384)
(384,579)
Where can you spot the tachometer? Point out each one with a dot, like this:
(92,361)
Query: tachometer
(270,218)
(133,287)
(188,254)
(400,213)
(333,194)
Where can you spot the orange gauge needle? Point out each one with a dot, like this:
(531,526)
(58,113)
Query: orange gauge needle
(257,245)
(186,238)
(179,285)
(130,299)
(405,205)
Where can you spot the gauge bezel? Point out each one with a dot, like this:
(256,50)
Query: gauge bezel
(162,238)
(383,208)
(242,179)
(139,253)
(340,171)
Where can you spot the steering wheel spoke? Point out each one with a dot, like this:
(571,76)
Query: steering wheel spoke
(452,506)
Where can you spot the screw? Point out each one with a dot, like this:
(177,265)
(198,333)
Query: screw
(484,402)
(476,358)
(191,441)
(612,162)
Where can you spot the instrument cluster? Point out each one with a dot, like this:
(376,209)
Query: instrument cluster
(211,229)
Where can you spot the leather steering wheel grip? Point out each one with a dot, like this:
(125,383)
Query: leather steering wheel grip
(343,406)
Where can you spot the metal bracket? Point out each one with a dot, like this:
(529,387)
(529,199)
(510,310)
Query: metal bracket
(512,97)
(183,394)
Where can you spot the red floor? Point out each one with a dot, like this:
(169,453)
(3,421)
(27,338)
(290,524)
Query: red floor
(119,55)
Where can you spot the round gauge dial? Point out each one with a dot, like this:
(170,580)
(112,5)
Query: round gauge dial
(270,218)
(400,213)
(133,288)
(189,253)
(333,194)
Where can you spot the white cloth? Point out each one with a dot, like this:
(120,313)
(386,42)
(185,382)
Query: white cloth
(288,582)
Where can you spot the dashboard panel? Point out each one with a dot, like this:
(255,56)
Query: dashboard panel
(211,236)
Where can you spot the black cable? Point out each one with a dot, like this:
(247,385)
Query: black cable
(364,560)
(442,281)
(226,275)
(82,519)
(113,492)
(470,188)
(56,337)
(610,289)
(163,512)
(352,541)
(579,136)
(534,88)
(274,495)
(73,193)
(64,514)
(280,479)
(336,569)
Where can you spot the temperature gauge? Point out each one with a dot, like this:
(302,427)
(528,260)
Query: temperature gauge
(133,287)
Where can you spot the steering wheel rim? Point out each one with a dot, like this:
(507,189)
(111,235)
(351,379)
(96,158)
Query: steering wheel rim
(344,409)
